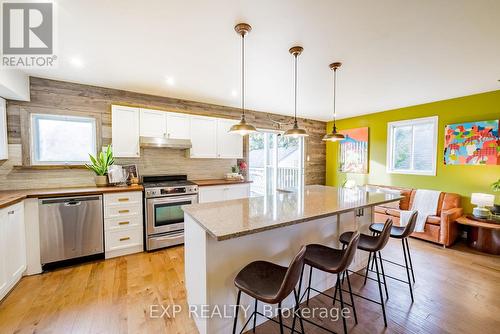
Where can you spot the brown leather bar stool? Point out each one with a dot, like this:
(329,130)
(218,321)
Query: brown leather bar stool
(372,244)
(333,261)
(400,232)
(269,283)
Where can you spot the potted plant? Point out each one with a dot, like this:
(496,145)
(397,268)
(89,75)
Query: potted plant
(99,165)
(495,186)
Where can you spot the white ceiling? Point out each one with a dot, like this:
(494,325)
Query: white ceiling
(395,53)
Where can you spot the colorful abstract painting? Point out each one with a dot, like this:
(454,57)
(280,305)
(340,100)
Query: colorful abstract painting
(354,151)
(473,143)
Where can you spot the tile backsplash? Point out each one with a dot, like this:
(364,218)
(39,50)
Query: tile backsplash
(152,161)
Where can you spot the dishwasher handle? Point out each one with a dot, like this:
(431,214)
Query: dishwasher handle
(72,203)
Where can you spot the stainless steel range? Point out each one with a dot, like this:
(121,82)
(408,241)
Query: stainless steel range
(164,197)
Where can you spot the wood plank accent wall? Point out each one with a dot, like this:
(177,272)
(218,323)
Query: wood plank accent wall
(51,96)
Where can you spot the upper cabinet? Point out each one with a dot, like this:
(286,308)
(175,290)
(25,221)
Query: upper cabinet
(203,137)
(125,131)
(3,131)
(209,136)
(153,123)
(178,126)
(157,123)
(229,145)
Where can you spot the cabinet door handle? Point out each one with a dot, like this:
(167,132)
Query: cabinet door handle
(124,199)
(123,211)
(124,238)
(10,212)
(123,223)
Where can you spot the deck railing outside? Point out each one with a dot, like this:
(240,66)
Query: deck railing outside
(287,178)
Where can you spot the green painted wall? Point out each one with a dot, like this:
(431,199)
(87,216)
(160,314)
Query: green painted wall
(459,179)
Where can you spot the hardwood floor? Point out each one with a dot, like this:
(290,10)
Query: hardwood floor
(457,291)
(112,296)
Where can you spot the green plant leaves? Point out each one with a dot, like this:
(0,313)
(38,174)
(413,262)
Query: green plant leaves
(101,162)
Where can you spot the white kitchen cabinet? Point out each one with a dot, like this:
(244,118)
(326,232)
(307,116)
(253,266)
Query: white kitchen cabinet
(209,194)
(153,123)
(157,123)
(3,254)
(209,136)
(125,129)
(4,150)
(229,145)
(178,126)
(12,247)
(203,137)
(237,191)
(123,230)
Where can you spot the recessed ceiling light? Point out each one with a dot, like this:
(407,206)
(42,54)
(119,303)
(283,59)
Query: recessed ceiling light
(77,62)
(170,81)
(234,93)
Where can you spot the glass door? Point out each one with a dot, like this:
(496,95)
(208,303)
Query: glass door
(275,162)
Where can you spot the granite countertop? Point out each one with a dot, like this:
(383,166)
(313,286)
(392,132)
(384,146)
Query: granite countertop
(235,218)
(9,197)
(218,182)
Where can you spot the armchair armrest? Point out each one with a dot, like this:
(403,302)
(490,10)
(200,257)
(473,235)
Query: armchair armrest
(449,229)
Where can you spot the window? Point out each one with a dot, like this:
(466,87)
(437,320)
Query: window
(275,162)
(412,146)
(58,139)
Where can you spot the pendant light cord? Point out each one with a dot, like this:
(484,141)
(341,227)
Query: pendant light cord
(243,75)
(295,118)
(334,96)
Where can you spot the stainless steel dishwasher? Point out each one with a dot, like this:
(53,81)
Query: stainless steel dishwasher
(70,228)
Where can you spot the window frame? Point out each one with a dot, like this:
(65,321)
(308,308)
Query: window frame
(391,126)
(274,151)
(33,117)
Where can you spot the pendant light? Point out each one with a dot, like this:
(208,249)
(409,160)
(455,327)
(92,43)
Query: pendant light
(242,128)
(334,135)
(296,132)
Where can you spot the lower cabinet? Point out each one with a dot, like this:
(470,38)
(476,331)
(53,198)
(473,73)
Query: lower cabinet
(209,194)
(12,247)
(123,230)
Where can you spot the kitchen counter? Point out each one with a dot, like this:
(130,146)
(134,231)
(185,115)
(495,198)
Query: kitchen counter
(231,219)
(9,197)
(218,182)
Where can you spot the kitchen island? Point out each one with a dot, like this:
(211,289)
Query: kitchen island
(222,237)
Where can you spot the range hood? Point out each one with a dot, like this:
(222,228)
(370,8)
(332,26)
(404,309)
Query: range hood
(162,142)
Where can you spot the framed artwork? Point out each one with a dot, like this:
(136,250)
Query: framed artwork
(472,143)
(131,171)
(354,151)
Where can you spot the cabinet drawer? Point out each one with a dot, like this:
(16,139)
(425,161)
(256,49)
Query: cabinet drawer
(124,210)
(120,239)
(128,198)
(122,223)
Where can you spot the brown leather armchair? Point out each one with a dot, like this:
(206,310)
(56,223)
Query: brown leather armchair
(441,228)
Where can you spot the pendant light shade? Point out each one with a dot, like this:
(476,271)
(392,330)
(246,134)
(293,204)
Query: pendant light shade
(242,128)
(334,135)
(295,131)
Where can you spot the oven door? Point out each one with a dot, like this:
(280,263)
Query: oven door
(165,214)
